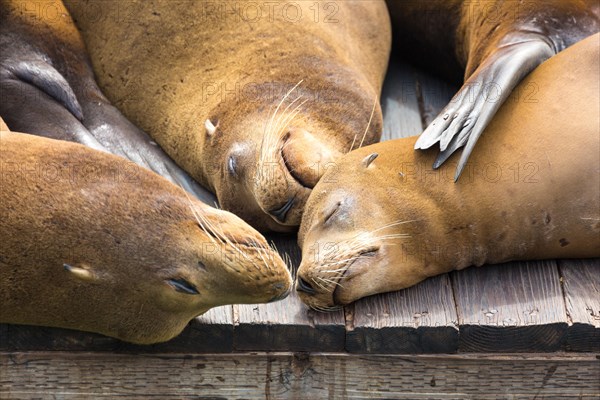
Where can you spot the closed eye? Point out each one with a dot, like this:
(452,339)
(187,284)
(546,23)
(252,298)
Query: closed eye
(182,286)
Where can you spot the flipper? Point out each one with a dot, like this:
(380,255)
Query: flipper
(48,89)
(469,112)
(38,100)
(47,79)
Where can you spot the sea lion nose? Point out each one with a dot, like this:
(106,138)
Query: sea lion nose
(303,286)
(281,213)
(306,157)
(283,294)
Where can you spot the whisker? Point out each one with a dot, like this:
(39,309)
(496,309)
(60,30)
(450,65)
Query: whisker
(282,117)
(395,223)
(277,134)
(318,284)
(369,124)
(334,283)
(292,114)
(199,219)
(270,125)
(328,289)
(265,130)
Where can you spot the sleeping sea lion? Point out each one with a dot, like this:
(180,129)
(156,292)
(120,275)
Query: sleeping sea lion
(254,100)
(531,190)
(93,242)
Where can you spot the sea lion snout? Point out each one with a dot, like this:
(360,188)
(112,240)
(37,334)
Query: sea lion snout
(332,276)
(302,161)
(282,291)
(306,157)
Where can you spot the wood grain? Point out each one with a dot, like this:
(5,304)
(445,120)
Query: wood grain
(401,114)
(296,376)
(433,94)
(581,283)
(420,319)
(287,325)
(512,307)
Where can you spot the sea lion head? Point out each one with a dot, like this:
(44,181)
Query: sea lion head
(107,246)
(231,264)
(180,261)
(265,154)
(353,243)
(206,258)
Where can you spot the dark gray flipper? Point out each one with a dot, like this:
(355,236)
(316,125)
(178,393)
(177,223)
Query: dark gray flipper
(47,79)
(467,115)
(38,99)
(44,104)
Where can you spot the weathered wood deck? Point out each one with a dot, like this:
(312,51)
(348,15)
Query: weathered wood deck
(527,311)
(314,376)
(540,306)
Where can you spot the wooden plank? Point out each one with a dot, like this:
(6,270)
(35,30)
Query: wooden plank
(512,307)
(287,325)
(581,284)
(211,332)
(296,376)
(433,94)
(401,114)
(420,319)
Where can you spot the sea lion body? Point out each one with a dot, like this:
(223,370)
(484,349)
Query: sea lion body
(496,43)
(93,242)
(531,190)
(48,89)
(254,100)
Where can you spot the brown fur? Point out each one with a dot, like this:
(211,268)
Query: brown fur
(48,89)
(158,61)
(90,241)
(544,203)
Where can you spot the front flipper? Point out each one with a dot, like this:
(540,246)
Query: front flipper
(37,99)
(469,112)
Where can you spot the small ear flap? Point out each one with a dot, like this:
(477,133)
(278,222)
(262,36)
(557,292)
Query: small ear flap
(81,273)
(211,128)
(369,159)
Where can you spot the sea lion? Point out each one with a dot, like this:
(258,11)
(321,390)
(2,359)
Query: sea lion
(254,100)
(496,43)
(48,88)
(380,222)
(93,242)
